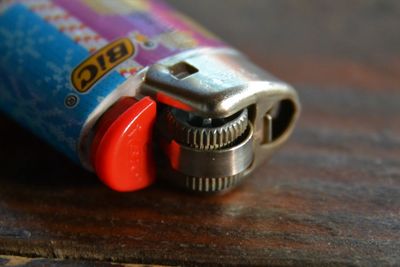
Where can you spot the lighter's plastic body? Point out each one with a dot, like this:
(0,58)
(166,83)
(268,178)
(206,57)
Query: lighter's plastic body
(42,43)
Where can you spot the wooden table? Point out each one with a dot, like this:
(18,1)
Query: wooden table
(331,196)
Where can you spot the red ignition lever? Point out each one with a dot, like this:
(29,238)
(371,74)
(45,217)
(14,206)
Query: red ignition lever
(121,151)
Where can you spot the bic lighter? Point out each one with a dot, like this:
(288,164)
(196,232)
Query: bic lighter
(128,87)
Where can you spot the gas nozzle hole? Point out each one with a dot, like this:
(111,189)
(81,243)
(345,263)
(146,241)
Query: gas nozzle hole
(182,70)
(277,120)
(194,120)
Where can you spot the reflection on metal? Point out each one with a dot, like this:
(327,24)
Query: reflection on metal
(267,128)
(220,117)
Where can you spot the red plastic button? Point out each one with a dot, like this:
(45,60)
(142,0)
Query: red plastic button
(122,147)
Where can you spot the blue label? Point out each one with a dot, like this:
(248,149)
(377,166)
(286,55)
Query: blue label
(36,62)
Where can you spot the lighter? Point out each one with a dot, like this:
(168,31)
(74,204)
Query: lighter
(128,87)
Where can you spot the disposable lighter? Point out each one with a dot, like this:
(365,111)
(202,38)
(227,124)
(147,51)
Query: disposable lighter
(130,86)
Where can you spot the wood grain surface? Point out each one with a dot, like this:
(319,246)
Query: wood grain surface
(330,197)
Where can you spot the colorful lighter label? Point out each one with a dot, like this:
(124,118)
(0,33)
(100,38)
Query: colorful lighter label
(100,63)
(60,59)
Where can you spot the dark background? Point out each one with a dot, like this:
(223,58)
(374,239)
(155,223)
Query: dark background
(331,196)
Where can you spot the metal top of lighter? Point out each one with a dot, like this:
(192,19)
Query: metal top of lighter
(221,116)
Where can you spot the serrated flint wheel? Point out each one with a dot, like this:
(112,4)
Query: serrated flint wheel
(206,133)
(210,136)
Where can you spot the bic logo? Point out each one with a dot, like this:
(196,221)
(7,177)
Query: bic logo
(100,63)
